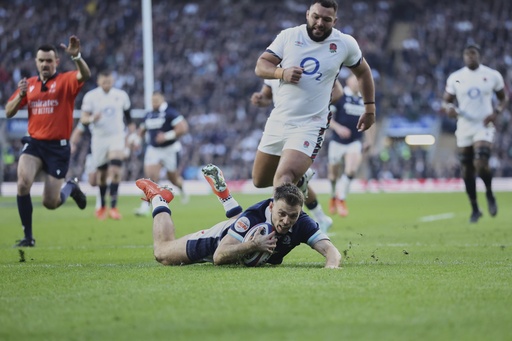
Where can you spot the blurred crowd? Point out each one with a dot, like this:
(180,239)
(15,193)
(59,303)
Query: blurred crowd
(205,53)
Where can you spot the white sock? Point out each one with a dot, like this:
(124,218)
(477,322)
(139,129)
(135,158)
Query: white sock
(231,206)
(158,201)
(159,205)
(144,206)
(318,212)
(343,187)
(98,200)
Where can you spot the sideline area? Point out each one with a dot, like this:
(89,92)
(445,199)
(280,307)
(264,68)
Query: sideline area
(322,186)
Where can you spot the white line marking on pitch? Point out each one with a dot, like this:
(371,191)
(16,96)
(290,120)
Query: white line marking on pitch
(443,216)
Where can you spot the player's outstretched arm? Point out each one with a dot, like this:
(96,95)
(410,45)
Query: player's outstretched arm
(73,49)
(332,256)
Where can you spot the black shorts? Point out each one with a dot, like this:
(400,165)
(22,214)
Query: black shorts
(55,155)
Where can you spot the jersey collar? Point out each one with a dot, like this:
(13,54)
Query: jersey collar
(43,83)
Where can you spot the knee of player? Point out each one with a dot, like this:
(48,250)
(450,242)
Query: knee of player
(23,186)
(51,204)
(260,183)
(162,258)
(482,154)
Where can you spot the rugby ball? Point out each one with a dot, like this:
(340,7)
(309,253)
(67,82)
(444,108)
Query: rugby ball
(257,258)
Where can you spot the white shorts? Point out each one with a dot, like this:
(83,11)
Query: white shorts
(100,147)
(337,150)
(278,137)
(467,135)
(168,156)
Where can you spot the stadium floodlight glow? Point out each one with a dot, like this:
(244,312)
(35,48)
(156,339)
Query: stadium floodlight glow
(420,140)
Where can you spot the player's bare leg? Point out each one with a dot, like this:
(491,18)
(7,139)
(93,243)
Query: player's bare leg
(167,249)
(263,169)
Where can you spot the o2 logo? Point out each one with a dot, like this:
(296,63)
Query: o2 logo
(309,63)
(473,93)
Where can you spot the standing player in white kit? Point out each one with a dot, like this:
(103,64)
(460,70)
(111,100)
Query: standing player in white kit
(473,87)
(106,109)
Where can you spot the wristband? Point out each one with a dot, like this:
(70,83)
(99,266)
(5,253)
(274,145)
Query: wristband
(279,73)
(370,102)
(77,57)
(170,135)
(23,95)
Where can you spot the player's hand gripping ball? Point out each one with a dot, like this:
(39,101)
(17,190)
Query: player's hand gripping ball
(257,258)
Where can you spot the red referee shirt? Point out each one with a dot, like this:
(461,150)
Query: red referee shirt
(50,112)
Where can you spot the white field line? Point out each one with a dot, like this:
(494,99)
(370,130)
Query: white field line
(436,217)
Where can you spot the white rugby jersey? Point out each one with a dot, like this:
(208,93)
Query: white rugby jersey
(112,106)
(307,102)
(274,86)
(474,90)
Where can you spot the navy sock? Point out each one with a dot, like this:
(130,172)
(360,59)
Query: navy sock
(470,183)
(103,191)
(114,189)
(486,177)
(65,192)
(25,211)
(161,209)
(312,205)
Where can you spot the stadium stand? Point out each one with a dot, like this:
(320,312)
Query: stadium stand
(204,63)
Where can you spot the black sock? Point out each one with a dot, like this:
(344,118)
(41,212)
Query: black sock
(114,189)
(486,177)
(103,191)
(312,205)
(471,192)
(25,211)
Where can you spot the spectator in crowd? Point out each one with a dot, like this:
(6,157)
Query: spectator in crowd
(208,78)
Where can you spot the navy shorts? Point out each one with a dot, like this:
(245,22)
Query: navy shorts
(54,154)
(202,245)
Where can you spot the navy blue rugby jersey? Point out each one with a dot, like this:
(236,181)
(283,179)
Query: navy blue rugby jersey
(350,107)
(305,230)
(162,120)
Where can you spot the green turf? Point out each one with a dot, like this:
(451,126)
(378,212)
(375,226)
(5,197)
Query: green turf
(414,269)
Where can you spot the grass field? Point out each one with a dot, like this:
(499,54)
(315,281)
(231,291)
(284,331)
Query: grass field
(414,269)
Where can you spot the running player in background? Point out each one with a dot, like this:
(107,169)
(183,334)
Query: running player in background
(306,59)
(345,151)
(264,98)
(162,127)
(106,109)
(473,87)
(81,132)
(50,100)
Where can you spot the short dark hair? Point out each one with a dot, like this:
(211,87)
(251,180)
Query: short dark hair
(105,73)
(326,4)
(473,45)
(48,48)
(290,193)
